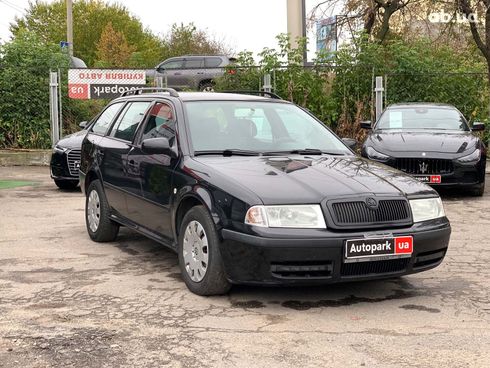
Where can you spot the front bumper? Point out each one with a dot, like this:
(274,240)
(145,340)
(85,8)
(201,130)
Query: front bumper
(252,259)
(463,175)
(59,167)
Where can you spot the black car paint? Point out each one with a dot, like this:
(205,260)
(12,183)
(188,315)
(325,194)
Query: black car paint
(428,144)
(59,163)
(229,186)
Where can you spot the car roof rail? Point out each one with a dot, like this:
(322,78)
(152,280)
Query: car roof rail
(139,91)
(260,93)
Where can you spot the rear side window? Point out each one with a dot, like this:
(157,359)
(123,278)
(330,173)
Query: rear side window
(161,123)
(128,122)
(212,62)
(194,63)
(105,119)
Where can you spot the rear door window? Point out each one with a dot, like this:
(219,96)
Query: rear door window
(105,119)
(212,62)
(128,121)
(194,63)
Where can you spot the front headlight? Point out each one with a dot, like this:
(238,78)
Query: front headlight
(59,149)
(471,158)
(375,155)
(426,209)
(297,216)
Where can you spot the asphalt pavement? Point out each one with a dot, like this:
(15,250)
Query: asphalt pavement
(66,301)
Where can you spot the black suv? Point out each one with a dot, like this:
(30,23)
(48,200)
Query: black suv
(252,189)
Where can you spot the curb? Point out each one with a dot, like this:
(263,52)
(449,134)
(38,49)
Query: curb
(25,157)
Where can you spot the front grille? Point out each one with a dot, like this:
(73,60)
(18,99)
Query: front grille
(389,211)
(73,158)
(374,267)
(302,270)
(424,166)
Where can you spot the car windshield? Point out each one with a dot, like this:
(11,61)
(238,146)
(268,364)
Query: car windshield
(258,127)
(423,118)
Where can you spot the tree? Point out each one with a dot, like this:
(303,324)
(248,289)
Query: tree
(48,21)
(187,39)
(113,49)
(376,16)
(480,36)
(24,78)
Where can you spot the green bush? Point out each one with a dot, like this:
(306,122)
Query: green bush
(416,71)
(24,89)
(339,91)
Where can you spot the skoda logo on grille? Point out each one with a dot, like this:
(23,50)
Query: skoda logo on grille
(423,166)
(371,203)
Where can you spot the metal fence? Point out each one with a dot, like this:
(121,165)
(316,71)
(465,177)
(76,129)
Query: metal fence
(340,98)
(469,92)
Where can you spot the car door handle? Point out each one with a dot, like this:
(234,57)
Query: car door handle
(200,72)
(177,73)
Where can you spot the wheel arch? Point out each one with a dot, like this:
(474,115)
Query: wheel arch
(89,178)
(197,197)
(206,81)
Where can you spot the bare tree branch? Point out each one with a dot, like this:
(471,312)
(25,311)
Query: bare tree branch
(465,8)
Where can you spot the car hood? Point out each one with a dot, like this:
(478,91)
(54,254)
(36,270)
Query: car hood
(304,179)
(429,141)
(72,141)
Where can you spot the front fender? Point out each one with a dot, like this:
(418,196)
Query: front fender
(224,209)
(196,193)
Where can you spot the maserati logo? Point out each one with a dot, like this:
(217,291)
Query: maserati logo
(423,166)
(371,203)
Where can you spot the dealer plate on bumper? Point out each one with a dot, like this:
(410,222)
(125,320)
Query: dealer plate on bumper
(429,179)
(369,249)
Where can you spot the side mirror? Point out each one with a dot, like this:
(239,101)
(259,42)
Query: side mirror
(366,124)
(478,126)
(83,124)
(158,146)
(350,142)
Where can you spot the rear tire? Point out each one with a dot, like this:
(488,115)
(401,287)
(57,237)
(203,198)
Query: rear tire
(66,184)
(206,87)
(199,256)
(100,227)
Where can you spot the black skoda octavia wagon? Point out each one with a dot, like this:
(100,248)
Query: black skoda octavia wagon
(253,189)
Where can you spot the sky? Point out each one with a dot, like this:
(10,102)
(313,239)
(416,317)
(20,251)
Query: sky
(242,25)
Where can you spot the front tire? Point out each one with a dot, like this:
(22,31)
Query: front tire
(478,190)
(199,256)
(66,184)
(100,227)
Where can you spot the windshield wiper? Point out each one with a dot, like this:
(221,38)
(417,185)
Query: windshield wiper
(304,151)
(227,152)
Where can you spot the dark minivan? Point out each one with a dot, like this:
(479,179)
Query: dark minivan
(254,190)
